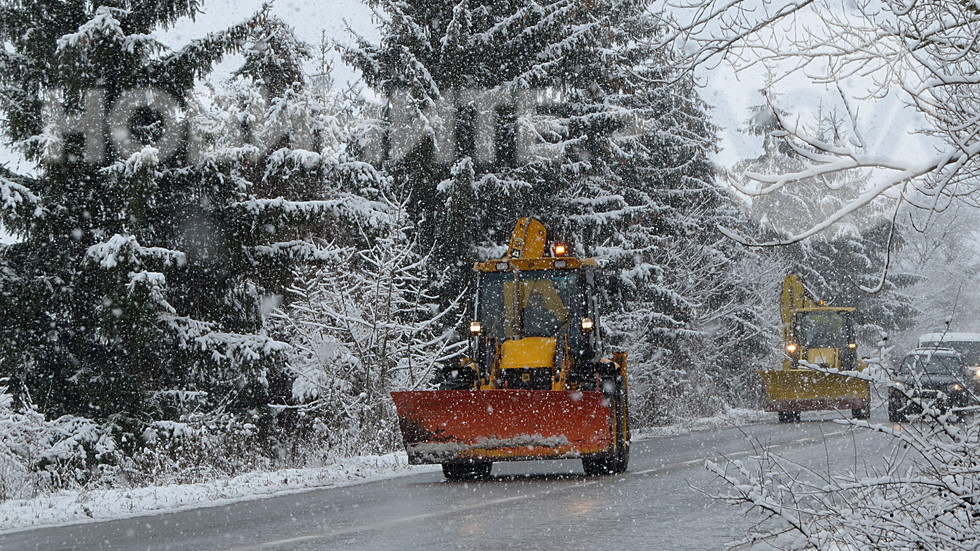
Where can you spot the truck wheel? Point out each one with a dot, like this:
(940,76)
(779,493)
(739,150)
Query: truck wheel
(467,471)
(896,407)
(862,412)
(608,463)
(789,417)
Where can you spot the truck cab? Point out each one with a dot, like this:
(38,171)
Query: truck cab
(531,323)
(823,336)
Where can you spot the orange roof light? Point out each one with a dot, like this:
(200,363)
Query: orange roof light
(560,249)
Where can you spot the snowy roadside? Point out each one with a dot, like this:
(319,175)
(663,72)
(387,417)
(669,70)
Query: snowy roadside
(71,507)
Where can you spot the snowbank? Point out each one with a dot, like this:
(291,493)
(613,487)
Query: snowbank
(71,507)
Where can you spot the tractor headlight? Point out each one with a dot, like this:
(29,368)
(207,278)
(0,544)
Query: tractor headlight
(476,328)
(587,325)
(791,348)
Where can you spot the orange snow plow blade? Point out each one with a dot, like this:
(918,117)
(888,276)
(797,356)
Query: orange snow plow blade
(441,426)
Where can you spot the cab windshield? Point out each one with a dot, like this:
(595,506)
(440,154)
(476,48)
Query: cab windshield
(970,350)
(931,364)
(823,329)
(537,304)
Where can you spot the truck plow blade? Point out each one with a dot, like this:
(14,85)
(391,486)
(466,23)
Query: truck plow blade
(807,390)
(459,425)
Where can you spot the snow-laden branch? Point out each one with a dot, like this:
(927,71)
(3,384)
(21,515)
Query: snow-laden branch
(14,195)
(126,250)
(902,173)
(921,53)
(924,494)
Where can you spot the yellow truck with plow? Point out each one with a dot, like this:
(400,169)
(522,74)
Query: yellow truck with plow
(535,384)
(815,335)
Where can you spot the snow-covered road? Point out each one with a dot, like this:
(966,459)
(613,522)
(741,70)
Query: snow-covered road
(540,505)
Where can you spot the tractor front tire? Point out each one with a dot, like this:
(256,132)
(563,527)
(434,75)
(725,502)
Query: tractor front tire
(596,466)
(621,461)
(896,408)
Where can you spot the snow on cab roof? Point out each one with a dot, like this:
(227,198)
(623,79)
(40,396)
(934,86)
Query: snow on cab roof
(948,337)
(930,351)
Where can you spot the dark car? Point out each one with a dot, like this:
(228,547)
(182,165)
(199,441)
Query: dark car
(935,377)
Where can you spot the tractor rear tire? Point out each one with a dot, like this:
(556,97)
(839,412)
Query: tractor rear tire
(474,470)
(617,460)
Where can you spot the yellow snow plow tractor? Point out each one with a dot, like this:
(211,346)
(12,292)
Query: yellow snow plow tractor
(815,335)
(535,384)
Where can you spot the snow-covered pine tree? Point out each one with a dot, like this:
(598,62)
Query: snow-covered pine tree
(622,164)
(849,256)
(688,306)
(942,252)
(472,85)
(136,288)
(294,137)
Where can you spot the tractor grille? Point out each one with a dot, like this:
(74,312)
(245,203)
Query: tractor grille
(536,378)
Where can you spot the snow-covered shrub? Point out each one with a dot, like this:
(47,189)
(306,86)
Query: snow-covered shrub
(921,495)
(198,451)
(38,455)
(21,446)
